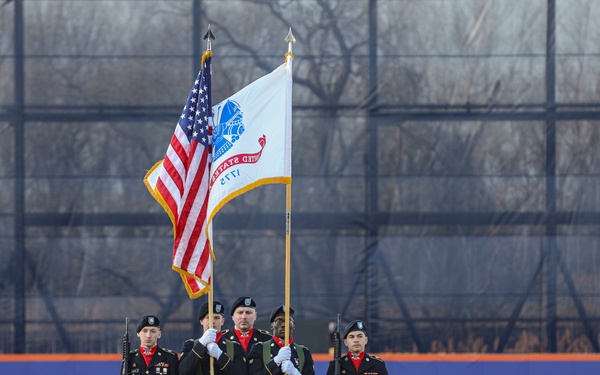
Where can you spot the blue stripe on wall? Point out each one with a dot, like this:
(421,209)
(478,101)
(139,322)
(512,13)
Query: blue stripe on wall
(403,368)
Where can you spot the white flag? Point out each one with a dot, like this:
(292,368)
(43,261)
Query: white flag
(252,139)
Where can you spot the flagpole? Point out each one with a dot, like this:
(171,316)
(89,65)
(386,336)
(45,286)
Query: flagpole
(209,37)
(210,311)
(288,217)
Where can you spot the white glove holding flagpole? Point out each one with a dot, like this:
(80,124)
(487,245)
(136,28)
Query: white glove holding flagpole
(214,350)
(209,336)
(287,367)
(284,353)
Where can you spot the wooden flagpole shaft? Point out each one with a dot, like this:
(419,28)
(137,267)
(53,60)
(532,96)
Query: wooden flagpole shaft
(288,228)
(210,310)
(209,37)
(288,219)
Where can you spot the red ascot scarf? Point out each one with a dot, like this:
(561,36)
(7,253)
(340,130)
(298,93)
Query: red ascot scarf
(219,336)
(148,353)
(281,342)
(356,359)
(244,337)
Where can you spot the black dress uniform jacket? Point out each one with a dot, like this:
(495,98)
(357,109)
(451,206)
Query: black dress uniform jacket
(256,365)
(370,365)
(258,335)
(195,356)
(163,362)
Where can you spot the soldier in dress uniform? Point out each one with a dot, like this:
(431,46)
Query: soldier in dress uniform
(228,356)
(357,361)
(149,358)
(243,313)
(273,358)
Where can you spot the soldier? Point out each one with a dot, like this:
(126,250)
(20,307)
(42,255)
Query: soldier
(228,356)
(243,313)
(273,358)
(149,358)
(357,361)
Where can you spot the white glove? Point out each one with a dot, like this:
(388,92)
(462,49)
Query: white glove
(209,336)
(214,350)
(283,354)
(287,367)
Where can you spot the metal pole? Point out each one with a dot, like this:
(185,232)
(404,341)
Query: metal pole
(18,123)
(196,62)
(551,250)
(196,37)
(372,185)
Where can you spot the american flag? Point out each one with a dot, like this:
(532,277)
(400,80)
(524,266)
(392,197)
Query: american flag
(180,184)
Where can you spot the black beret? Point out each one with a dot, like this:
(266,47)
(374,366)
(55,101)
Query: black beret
(355,325)
(243,301)
(280,311)
(147,321)
(217,309)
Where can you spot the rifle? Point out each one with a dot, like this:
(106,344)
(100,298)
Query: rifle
(126,348)
(337,346)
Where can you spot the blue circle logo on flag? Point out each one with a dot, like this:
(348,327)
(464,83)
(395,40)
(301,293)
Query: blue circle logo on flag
(228,128)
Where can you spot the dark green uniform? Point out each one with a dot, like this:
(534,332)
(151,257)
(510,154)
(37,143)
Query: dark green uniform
(370,364)
(164,362)
(257,364)
(259,335)
(196,361)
